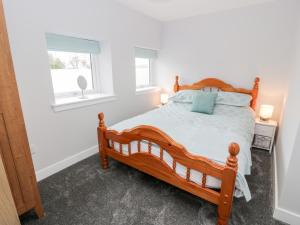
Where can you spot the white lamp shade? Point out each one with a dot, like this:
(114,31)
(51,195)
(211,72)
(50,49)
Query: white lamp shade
(266,112)
(164,98)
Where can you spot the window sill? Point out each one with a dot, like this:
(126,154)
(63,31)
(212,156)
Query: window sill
(63,104)
(146,90)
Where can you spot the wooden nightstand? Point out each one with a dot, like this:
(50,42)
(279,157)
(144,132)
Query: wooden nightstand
(264,134)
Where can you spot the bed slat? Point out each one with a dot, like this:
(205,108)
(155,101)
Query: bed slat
(188,174)
(129,149)
(121,148)
(149,147)
(204,180)
(161,153)
(174,165)
(139,146)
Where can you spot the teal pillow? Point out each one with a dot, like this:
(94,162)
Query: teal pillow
(204,102)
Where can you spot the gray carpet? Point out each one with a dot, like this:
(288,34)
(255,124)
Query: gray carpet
(84,194)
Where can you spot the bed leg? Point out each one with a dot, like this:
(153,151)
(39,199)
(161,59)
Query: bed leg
(228,185)
(104,161)
(222,221)
(102,141)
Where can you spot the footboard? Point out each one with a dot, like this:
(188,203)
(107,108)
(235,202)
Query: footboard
(150,150)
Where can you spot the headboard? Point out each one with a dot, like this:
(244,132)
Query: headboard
(220,86)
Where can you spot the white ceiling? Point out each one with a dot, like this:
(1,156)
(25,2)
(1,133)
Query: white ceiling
(167,10)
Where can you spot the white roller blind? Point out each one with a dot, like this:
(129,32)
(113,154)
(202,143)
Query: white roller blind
(56,42)
(145,53)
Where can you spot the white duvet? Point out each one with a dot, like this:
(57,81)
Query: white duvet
(205,135)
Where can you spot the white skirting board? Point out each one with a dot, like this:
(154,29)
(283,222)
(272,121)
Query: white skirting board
(282,214)
(56,167)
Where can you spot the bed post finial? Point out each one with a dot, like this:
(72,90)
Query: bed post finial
(234,150)
(255,92)
(176,85)
(101,120)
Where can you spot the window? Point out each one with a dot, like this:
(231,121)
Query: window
(142,72)
(66,67)
(143,67)
(69,58)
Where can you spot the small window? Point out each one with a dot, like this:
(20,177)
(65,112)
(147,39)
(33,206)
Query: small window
(142,72)
(143,67)
(69,58)
(66,67)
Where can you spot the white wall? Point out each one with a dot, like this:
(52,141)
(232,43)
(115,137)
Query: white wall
(289,122)
(234,45)
(56,136)
(288,147)
(289,197)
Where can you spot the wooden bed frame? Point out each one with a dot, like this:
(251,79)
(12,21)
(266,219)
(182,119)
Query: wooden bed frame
(112,144)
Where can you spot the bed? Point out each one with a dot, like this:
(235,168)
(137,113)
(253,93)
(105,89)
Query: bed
(186,149)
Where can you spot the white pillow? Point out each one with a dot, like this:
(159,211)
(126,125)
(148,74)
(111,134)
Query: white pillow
(183,96)
(224,98)
(233,98)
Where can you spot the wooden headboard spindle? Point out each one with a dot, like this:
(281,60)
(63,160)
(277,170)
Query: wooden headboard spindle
(220,86)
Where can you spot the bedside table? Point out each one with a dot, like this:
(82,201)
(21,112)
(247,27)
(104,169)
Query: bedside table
(264,134)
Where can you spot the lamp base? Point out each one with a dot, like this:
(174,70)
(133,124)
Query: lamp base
(264,119)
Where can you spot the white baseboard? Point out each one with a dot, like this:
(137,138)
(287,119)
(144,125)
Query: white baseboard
(286,216)
(282,214)
(56,167)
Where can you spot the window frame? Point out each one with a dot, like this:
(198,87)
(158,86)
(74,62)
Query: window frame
(95,72)
(150,73)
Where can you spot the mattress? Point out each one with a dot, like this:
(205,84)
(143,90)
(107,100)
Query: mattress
(201,134)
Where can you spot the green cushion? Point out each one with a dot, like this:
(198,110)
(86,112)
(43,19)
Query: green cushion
(204,102)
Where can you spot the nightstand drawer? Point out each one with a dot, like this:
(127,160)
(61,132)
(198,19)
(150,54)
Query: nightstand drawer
(262,142)
(264,130)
